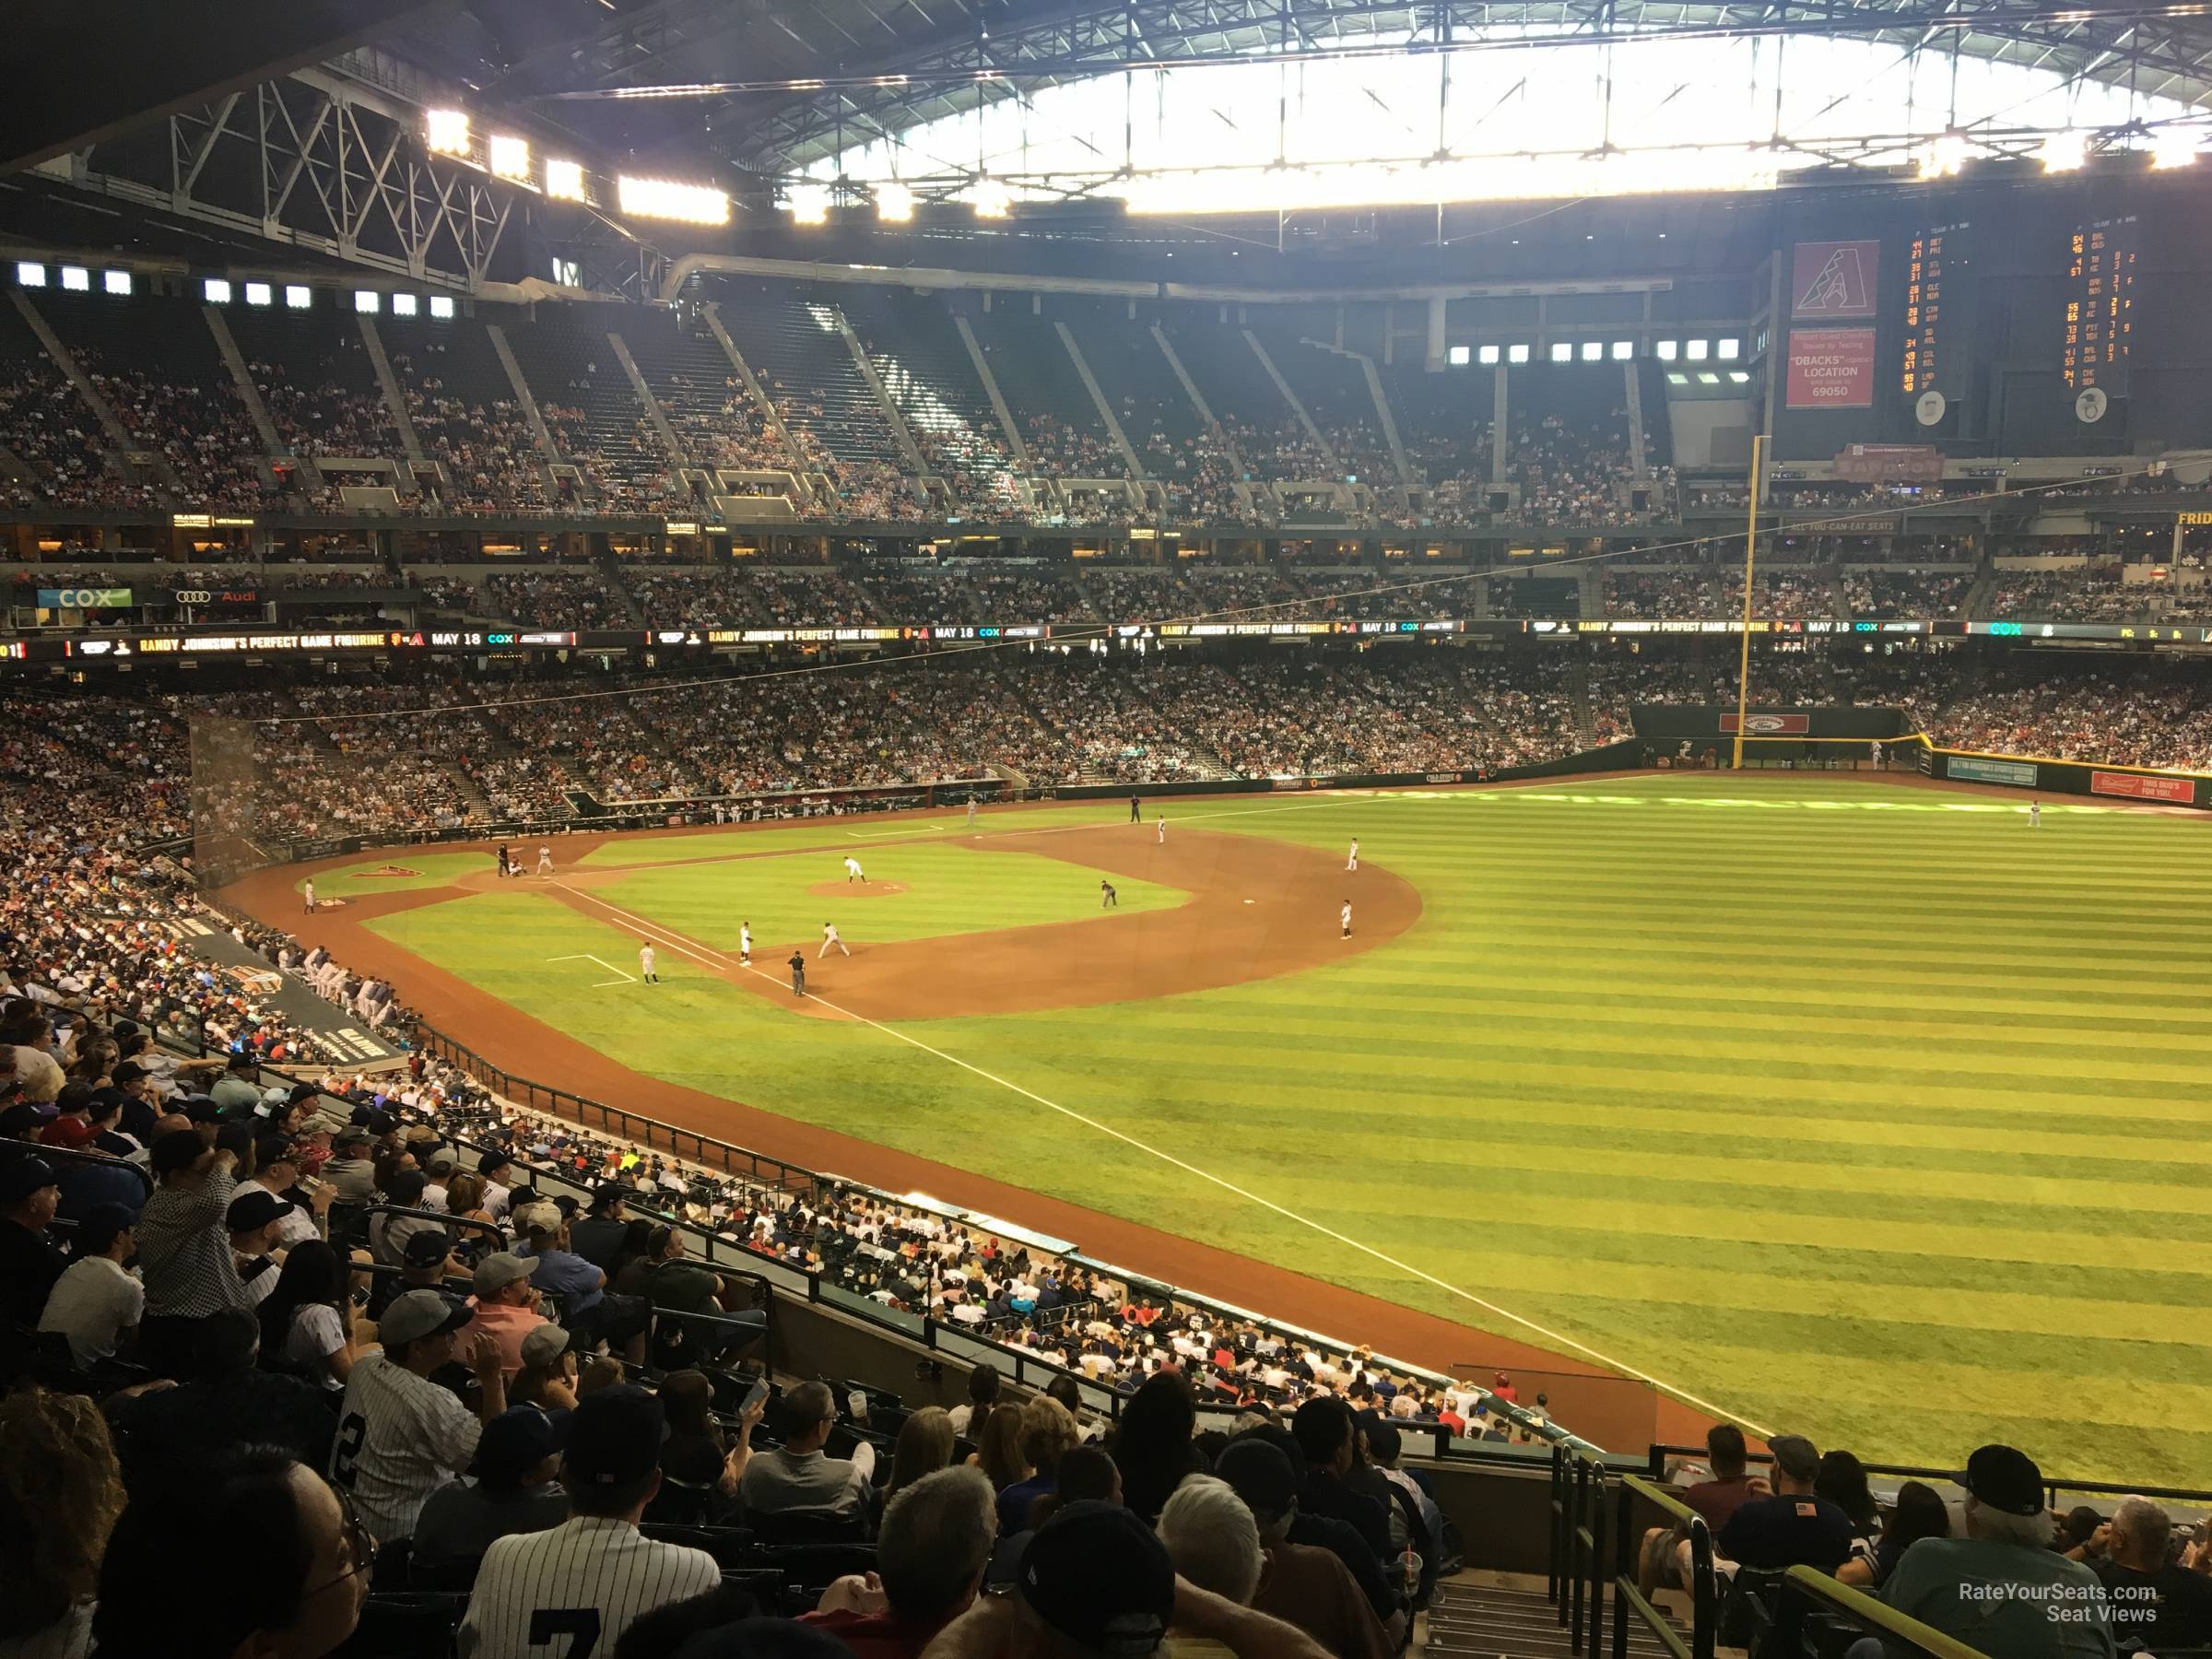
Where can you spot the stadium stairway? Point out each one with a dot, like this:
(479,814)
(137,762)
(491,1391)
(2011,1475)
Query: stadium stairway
(1469,1621)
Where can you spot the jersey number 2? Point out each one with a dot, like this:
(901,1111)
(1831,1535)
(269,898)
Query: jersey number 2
(582,1623)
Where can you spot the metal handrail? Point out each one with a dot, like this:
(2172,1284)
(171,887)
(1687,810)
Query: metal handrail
(1628,1594)
(1864,1609)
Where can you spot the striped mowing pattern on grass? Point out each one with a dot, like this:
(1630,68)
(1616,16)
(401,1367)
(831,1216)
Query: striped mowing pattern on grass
(1865,1111)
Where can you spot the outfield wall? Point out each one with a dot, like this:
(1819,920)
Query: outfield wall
(2135,784)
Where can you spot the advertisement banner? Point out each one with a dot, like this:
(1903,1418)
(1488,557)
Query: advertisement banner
(1889,463)
(1830,368)
(1833,279)
(2141,788)
(1977,769)
(1769,725)
(83,598)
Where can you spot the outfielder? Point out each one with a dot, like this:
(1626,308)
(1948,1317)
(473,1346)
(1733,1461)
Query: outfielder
(1107,897)
(1352,862)
(1345,916)
(852,869)
(1136,811)
(745,944)
(645,961)
(970,812)
(2035,814)
(829,938)
(545,860)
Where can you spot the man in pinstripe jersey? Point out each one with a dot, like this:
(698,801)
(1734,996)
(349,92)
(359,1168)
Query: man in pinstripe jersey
(575,1589)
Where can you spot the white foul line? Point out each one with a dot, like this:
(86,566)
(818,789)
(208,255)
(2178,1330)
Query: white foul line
(715,958)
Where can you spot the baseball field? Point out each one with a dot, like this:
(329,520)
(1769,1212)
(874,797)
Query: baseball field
(1867,1110)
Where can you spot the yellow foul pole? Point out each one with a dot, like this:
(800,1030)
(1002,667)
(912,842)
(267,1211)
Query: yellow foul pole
(1742,673)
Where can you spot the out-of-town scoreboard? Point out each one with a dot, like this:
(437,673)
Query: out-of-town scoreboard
(2100,294)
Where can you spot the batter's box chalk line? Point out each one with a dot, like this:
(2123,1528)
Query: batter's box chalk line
(622,979)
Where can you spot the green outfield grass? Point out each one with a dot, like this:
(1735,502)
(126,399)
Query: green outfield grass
(1867,1112)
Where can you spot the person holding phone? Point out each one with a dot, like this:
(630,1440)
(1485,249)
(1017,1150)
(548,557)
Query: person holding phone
(307,1322)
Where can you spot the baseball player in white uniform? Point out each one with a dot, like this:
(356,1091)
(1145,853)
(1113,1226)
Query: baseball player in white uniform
(307,889)
(852,869)
(970,812)
(645,961)
(1345,916)
(829,938)
(745,944)
(2035,814)
(1352,861)
(1163,829)
(545,860)
(400,1435)
(583,1583)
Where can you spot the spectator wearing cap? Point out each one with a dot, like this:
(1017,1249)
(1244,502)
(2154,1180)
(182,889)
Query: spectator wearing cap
(388,1234)
(1416,1521)
(253,1219)
(506,1304)
(400,1435)
(547,1378)
(930,1557)
(1096,1583)
(512,1487)
(183,1251)
(277,1171)
(598,1237)
(1793,1526)
(426,1265)
(97,1301)
(142,1099)
(595,1572)
(437,1170)
(71,1126)
(87,1183)
(1384,1591)
(350,1169)
(2002,1589)
(493,1167)
(1301,1584)
(238,1091)
(798,1475)
(2157,1603)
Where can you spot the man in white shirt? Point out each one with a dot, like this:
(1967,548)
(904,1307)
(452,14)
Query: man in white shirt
(400,1435)
(592,1577)
(96,1302)
(497,1196)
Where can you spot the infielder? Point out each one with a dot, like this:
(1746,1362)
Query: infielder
(307,889)
(1352,862)
(1345,916)
(1107,897)
(645,961)
(852,870)
(829,938)
(1163,829)
(545,860)
(745,944)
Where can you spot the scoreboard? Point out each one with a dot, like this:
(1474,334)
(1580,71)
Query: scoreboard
(2100,294)
(1936,337)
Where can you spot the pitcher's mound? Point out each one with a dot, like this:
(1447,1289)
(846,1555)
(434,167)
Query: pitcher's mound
(855,890)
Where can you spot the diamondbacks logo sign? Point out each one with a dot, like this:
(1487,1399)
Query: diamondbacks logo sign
(1833,279)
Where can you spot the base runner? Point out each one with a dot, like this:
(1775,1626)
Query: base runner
(745,944)
(829,938)
(1345,916)
(645,963)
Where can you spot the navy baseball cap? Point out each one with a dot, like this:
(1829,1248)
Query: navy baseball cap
(1098,1574)
(615,1436)
(21,1177)
(516,1442)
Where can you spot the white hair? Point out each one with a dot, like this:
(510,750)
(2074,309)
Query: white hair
(1212,1538)
(2146,1522)
(2000,1527)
